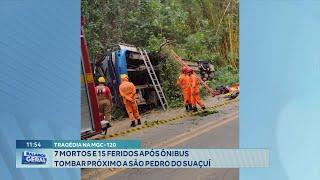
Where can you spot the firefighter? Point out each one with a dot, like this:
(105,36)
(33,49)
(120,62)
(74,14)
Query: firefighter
(184,83)
(104,99)
(195,91)
(128,92)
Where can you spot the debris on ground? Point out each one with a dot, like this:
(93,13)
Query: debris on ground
(233,94)
(206,113)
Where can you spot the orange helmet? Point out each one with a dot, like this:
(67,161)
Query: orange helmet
(124,77)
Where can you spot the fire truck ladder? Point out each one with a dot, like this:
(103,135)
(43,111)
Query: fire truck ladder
(204,84)
(154,79)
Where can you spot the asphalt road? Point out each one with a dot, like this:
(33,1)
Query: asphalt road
(218,130)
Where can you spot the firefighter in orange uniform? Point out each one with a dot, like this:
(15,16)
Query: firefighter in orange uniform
(184,83)
(195,91)
(128,92)
(104,100)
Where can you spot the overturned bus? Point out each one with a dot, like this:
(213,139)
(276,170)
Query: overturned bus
(134,62)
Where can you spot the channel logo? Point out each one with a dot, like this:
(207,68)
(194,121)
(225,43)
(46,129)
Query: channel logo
(33,158)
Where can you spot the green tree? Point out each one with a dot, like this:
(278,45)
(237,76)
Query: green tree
(201,29)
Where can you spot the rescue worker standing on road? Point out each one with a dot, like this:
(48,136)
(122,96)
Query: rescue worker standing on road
(184,83)
(104,100)
(128,92)
(195,91)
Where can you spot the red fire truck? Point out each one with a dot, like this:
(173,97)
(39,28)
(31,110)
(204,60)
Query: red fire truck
(90,117)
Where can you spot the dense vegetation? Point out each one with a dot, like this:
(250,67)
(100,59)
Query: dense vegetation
(201,29)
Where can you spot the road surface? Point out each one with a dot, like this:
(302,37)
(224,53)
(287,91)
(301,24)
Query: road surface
(218,130)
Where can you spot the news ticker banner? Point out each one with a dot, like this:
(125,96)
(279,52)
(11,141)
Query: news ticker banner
(128,154)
